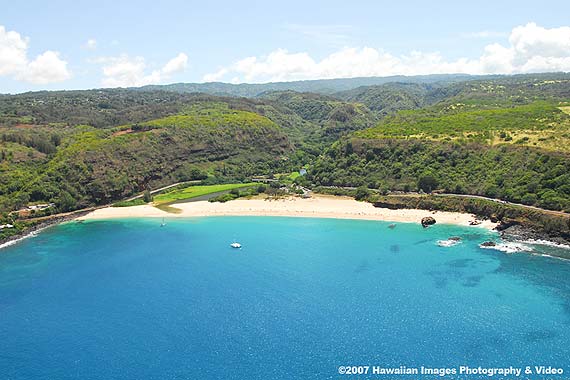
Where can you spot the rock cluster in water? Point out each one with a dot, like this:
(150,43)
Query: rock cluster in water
(428,221)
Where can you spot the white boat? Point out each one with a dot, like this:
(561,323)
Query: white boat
(235,245)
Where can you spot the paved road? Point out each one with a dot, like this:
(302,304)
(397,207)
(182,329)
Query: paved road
(562,213)
(163,188)
(504,202)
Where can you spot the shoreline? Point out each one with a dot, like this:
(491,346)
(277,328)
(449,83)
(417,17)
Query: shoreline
(318,206)
(40,226)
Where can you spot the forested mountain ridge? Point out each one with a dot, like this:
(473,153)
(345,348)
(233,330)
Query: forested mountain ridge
(319,86)
(477,92)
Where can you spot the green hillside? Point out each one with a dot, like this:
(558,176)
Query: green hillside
(509,90)
(330,117)
(391,97)
(541,125)
(94,166)
(517,153)
(504,138)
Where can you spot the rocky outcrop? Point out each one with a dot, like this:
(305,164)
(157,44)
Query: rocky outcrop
(488,244)
(522,233)
(427,221)
(506,223)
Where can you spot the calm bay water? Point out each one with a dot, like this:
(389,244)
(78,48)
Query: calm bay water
(127,299)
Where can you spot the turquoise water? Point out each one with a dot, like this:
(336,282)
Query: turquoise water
(127,299)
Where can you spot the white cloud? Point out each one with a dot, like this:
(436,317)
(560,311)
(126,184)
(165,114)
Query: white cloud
(531,48)
(91,44)
(214,77)
(47,67)
(12,52)
(176,64)
(124,71)
(532,41)
(496,59)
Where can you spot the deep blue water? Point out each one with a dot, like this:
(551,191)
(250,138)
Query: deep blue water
(127,299)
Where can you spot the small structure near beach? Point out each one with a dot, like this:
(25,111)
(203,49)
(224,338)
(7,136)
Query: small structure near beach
(30,209)
(306,192)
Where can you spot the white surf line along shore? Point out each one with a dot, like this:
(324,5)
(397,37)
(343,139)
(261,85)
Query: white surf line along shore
(319,206)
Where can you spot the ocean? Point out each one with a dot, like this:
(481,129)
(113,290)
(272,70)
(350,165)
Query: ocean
(302,299)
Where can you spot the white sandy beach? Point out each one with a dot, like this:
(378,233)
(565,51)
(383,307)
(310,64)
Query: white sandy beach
(319,206)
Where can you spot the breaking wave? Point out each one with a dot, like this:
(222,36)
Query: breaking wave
(508,247)
(448,242)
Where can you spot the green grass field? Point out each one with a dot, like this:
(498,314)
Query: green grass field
(293,175)
(134,202)
(196,191)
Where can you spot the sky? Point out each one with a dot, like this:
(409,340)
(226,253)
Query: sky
(85,44)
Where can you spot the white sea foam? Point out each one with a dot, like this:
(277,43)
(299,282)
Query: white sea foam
(15,241)
(546,243)
(509,247)
(448,242)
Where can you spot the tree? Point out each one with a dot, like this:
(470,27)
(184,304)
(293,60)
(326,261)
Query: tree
(550,200)
(55,139)
(529,199)
(427,183)
(147,196)
(189,172)
(362,193)
(65,202)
